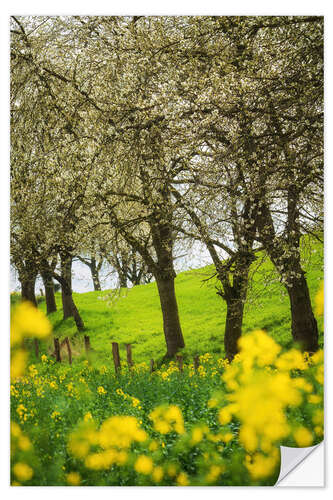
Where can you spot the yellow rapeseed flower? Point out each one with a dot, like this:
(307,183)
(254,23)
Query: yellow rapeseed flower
(101,460)
(314,399)
(153,446)
(120,432)
(258,347)
(225,415)
(73,478)
(24,443)
(248,437)
(214,472)
(143,465)
(227,437)
(303,437)
(157,474)
(23,471)
(182,479)
(318,417)
(197,435)
(18,363)
(15,430)
(167,419)
(28,321)
(291,360)
(262,466)
(55,415)
(212,403)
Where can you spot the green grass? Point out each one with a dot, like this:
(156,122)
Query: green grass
(135,317)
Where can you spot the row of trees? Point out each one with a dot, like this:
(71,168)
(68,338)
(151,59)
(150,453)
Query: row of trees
(130,133)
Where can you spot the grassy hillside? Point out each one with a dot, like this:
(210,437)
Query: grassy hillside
(135,316)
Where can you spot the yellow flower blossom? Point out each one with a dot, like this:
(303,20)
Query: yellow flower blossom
(28,321)
(262,466)
(227,437)
(303,437)
(23,471)
(214,473)
(291,360)
(197,435)
(157,474)
(24,443)
(73,478)
(182,479)
(144,465)
(259,347)
(101,390)
(120,432)
(18,363)
(153,446)
(15,429)
(314,399)
(167,419)
(55,415)
(212,403)
(318,417)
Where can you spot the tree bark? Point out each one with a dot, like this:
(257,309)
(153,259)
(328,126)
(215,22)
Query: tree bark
(51,305)
(303,323)
(122,279)
(171,324)
(28,289)
(69,307)
(233,326)
(66,290)
(304,327)
(235,286)
(95,275)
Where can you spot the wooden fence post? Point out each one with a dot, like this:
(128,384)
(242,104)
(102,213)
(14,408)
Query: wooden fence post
(69,350)
(116,357)
(87,344)
(129,355)
(151,366)
(180,362)
(36,348)
(196,363)
(57,350)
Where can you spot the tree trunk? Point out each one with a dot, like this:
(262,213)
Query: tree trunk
(51,305)
(233,326)
(66,274)
(303,323)
(95,276)
(304,327)
(235,285)
(122,279)
(171,324)
(28,289)
(69,307)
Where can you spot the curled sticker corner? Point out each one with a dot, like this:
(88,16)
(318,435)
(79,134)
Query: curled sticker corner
(291,458)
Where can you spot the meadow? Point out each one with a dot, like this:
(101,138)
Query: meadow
(134,316)
(217,424)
